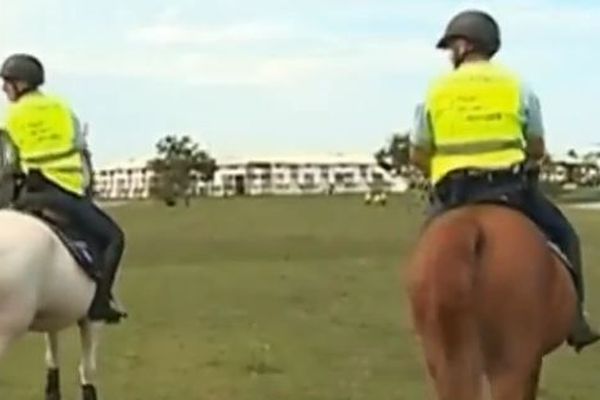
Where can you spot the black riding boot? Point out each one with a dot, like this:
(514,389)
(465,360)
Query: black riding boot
(582,333)
(103,307)
(557,227)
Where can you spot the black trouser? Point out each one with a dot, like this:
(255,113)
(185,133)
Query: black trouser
(558,229)
(39,193)
(518,191)
(464,187)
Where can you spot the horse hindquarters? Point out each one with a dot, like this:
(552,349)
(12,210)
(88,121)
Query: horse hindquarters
(524,295)
(487,293)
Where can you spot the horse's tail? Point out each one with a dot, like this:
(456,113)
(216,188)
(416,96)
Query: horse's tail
(445,302)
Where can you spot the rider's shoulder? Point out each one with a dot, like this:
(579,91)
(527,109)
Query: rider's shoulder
(57,98)
(512,73)
(36,98)
(61,101)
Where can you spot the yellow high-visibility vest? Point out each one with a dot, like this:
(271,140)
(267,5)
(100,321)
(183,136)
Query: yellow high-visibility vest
(474,112)
(43,131)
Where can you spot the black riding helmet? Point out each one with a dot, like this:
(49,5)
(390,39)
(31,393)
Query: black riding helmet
(23,67)
(475,26)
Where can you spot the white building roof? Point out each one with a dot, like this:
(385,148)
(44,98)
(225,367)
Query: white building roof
(567,159)
(130,163)
(319,159)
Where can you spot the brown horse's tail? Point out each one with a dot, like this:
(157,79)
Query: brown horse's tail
(444,298)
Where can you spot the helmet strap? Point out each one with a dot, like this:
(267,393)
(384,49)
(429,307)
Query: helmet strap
(459,56)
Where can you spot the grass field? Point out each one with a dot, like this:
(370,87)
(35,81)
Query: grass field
(273,299)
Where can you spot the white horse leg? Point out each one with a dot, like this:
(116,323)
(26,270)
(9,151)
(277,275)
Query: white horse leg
(52,367)
(87,367)
(5,342)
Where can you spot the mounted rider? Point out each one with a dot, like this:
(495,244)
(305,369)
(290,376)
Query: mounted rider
(479,136)
(55,163)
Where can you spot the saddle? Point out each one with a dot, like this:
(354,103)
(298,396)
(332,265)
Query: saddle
(13,182)
(498,187)
(82,249)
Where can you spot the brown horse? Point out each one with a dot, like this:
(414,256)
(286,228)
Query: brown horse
(489,300)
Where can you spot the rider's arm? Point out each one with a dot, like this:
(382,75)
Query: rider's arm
(421,139)
(80,143)
(80,140)
(12,123)
(533,125)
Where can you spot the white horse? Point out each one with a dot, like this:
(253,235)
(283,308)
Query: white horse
(43,289)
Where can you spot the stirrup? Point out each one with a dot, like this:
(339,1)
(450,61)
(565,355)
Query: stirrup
(111,316)
(579,345)
(582,334)
(106,312)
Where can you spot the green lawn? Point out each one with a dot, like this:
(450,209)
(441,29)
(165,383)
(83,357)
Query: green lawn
(272,299)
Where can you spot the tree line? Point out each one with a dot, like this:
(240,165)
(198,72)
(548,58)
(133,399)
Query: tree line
(180,164)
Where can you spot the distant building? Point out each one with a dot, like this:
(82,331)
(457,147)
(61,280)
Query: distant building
(568,169)
(124,180)
(281,175)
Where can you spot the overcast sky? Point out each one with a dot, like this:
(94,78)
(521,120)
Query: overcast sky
(288,76)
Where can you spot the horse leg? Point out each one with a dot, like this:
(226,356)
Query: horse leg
(515,383)
(52,367)
(87,368)
(451,343)
(456,372)
(534,381)
(5,341)
(445,317)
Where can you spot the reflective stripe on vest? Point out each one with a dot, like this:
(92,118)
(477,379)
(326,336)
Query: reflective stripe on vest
(478,147)
(50,157)
(65,169)
(474,112)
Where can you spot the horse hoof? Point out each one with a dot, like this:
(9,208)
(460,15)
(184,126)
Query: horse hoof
(89,392)
(53,396)
(53,384)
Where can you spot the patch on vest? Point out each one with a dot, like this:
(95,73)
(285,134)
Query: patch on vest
(81,252)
